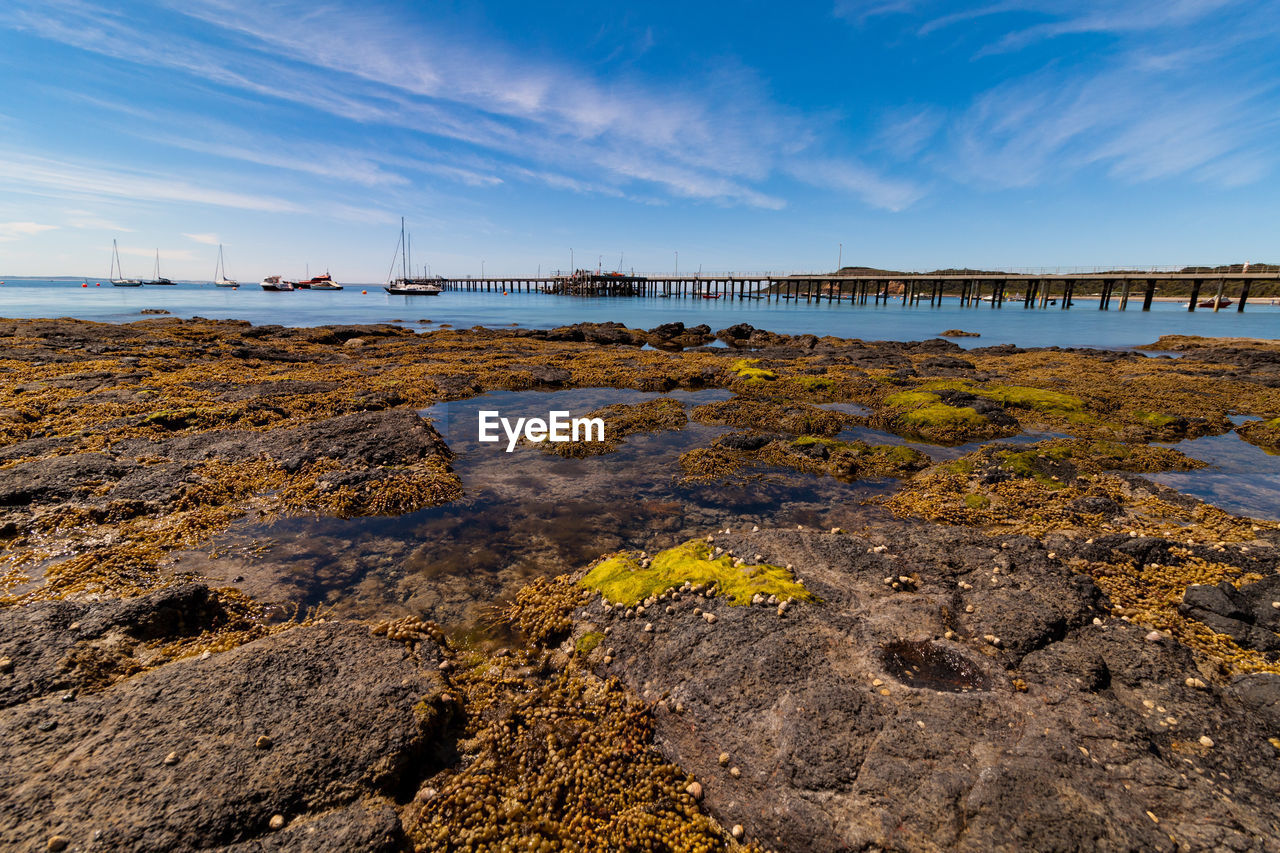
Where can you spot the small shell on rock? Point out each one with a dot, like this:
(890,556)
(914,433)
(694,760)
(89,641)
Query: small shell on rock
(719,550)
(697,611)
(1195,683)
(1154,637)
(968,608)
(1206,741)
(710,617)
(724,759)
(670,610)
(263,742)
(837,530)
(1097,621)
(735,772)
(171,758)
(993,640)
(694,789)
(57,842)
(277,821)
(648,627)
(737,830)
(6,665)
(875,682)
(757,599)
(755,528)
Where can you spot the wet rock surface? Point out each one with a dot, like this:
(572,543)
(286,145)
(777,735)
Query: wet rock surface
(951,690)
(324,725)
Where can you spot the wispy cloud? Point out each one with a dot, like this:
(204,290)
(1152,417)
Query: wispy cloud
(10,231)
(206,239)
(67,179)
(88,220)
(718,139)
(852,177)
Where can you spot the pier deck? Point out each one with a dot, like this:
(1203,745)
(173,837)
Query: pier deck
(995,289)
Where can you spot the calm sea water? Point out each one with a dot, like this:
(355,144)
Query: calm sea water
(1083,325)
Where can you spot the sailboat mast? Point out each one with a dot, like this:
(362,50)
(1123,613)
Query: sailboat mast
(403,262)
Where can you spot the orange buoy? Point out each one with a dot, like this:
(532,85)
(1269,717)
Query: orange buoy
(84,285)
(99,284)
(364,291)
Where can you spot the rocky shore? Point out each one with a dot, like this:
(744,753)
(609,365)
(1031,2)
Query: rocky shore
(1034,647)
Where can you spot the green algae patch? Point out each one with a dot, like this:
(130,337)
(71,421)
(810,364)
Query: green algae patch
(745,368)
(1023,397)
(813,383)
(623,579)
(1155,419)
(587,643)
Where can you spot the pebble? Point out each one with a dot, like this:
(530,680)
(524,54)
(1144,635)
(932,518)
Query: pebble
(670,610)
(648,627)
(1154,637)
(950,635)
(1097,621)
(263,742)
(880,549)
(277,821)
(444,666)
(710,617)
(57,842)
(640,610)
(757,599)
(968,608)
(697,611)
(993,640)
(1196,683)
(759,558)
(1206,741)
(755,528)
(6,665)
(1052,555)
(735,772)
(837,530)
(694,789)
(1275,604)
(737,830)
(875,682)
(724,759)
(171,758)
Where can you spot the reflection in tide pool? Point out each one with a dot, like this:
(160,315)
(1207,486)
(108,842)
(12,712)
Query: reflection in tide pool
(1242,478)
(527,513)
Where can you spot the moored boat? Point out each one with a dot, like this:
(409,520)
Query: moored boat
(405,285)
(277,284)
(220,273)
(1223,302)
(320,282)
(413,287)
(117,274)
(159,279)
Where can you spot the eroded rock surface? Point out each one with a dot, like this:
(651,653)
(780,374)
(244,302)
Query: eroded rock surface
(323,725)
(951,691)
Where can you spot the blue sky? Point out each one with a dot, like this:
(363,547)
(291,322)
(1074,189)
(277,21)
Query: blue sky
(744,136)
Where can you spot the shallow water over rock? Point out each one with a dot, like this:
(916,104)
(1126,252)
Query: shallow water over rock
(526,513)
(1241,477)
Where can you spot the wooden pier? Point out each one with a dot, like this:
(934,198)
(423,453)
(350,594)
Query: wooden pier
(1117,290)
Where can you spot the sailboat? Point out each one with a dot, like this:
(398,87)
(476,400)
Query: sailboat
(404,285)
(116,270)
(220,273)
(159,279)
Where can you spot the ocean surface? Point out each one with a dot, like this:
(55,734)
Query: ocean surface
(1082,325)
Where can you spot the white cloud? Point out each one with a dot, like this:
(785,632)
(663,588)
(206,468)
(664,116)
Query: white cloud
(10,231)
(206,239)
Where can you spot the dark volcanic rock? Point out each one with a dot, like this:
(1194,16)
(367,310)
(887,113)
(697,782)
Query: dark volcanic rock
(203,752)
(66,645)
(950,691)
(1245,614)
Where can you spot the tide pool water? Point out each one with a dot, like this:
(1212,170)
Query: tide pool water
(1082,325)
